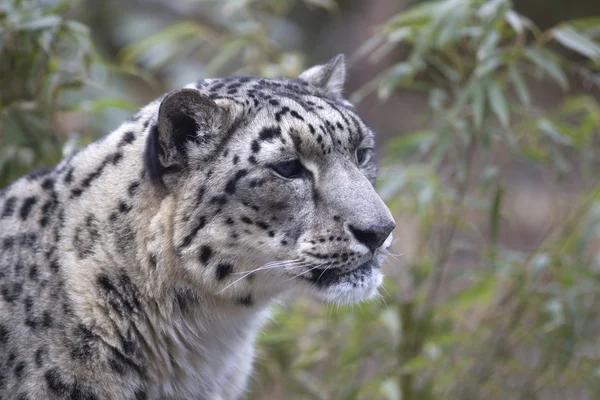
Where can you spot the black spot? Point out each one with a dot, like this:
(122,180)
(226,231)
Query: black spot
(8,243)
(133,188)
(271,233)
(39,357)
(56,384)
(4,335)
(20,369)
(9,207)
(86,237)
(281,113)
(296,115)
(270,133)
(205,254)
(229,221)
(200,196)
(230,186)
(246,220)
(128,138)
(117,366)
(69,176)
(48,208)
(153,261)
(83,347)
(252,160)
(246,301)
(113,159)
(224,269)
(284,242)
(46,319)
(38,174)
(188,239)
(48,184)
(236,158)
(140,394)
(11,294)
(124,207)
(28,204)
(262,225)
(255,146)
(297,141)
(336,217)
(28,239)
(220,200)
(28,304)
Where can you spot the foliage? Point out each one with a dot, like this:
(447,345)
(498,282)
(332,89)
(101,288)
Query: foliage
(468,314)
(515,323)
(45,58)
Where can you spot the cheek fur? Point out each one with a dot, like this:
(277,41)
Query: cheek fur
(278,207)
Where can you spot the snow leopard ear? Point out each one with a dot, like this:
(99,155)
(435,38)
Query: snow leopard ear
(329,77)
(187,120)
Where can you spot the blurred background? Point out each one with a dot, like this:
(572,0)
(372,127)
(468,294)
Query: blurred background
(488,121)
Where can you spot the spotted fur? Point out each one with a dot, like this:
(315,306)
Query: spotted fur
(143,266)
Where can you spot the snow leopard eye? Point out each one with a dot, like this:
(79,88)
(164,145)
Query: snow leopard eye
(292,169)
(363,155)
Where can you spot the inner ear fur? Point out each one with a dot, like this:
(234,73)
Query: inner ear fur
(330,76)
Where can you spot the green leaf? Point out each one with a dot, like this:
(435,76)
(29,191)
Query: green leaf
(495,214)
(393,77)
(479,294)
(478,105)
(498,103)
(329,5)
(415,364)
(553,132)
(514,20)
(571,39)
(48,21)
(408,144)
(488,45)
(519,85)
(547,63)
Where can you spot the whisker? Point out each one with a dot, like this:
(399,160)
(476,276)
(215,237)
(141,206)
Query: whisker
(302,273)
(325,269)
(271,265)
(248,273)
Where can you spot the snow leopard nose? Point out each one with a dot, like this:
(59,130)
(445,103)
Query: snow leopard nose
(374,236)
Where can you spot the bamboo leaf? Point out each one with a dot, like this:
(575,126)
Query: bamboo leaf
(571,39)
(519,85)
(498,103)
(478,105)
(543,60)
(495,214)
(514,20)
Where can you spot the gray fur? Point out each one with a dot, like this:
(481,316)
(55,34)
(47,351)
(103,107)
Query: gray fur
(126,270)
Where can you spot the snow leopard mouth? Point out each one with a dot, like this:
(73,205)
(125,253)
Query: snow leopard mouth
(324,277)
